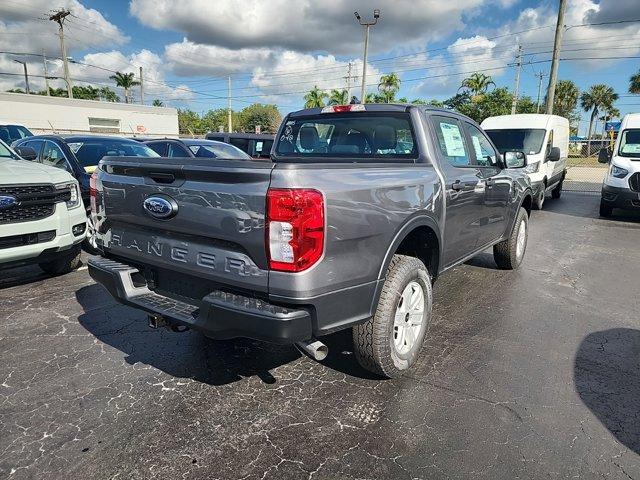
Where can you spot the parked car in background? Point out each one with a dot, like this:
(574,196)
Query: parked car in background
(257,145)
(79,155)
(10,133)
(197,148)
(42,220)
(621,184)
(361,208)
(544,139)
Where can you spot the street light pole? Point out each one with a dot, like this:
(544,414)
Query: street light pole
(557,43)
(26,75)
(366,25)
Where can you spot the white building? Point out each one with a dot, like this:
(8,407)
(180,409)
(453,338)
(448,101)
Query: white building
(42,114)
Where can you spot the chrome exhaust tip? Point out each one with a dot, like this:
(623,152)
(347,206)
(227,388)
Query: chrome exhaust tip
(313,348)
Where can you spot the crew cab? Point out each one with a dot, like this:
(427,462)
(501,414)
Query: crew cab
(621,184)
(362,207)
(41,216)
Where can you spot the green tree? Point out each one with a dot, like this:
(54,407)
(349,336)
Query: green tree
(315,98)
(496,102)
(86,92)
(598,97)
(126,81)
(566,98)
(634,83)
(338,97)
(157,103)
(265,115)
(108,95)
(388,87)
(477,85)
(189,122)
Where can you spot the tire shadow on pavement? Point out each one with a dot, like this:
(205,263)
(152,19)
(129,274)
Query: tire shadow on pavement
(183,355)
(607,378)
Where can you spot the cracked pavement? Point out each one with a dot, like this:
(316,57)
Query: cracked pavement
(528,374)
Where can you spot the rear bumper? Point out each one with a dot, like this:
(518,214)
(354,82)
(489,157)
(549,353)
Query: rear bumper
(618,197)
(219,315)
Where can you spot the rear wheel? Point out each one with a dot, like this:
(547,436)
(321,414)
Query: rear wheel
(390,343)
(509,253)
(605,209)
(65,263)
(539,202)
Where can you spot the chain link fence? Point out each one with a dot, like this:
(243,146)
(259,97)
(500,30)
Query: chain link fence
(584,173)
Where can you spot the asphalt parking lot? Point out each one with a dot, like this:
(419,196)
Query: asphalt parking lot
(528,374)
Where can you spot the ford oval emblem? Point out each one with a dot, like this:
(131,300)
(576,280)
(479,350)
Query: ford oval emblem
(7,201)
(160,207)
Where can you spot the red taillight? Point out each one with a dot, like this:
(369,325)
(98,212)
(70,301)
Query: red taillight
(295,228)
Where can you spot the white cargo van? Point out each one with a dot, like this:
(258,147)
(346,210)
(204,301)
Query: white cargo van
(545,141)
(621,185)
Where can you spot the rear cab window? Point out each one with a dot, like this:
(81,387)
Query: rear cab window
(360,137)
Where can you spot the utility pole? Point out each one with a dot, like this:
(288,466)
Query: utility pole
(230,125)
(514,102)
(59,17)
(557,44)
(141,89)
(348,79)
(540,76)
(366,25)
(26,75)
(46,75)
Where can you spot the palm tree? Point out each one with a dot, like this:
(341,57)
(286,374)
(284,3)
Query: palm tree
(338,97)
(389,86)
(566,98)
(598,97)
(477,85)
(108,95)
(158,103)
(126,81)
(315,98)
(634,83)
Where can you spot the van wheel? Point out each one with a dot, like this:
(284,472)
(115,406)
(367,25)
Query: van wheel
(509,253)
(605,209)
(390,343)
(66,263)
(557,191)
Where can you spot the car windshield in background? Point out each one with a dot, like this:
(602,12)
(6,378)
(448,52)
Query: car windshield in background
(221,150)
(11,133)
(5,152)
(527,140)
(630,143)
(89,152)
(365,136)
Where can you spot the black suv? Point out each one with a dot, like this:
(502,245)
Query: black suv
(257,145)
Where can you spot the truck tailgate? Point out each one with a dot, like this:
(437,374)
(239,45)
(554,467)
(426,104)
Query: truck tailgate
(215,229)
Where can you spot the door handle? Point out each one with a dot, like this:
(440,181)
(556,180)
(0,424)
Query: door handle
(464,186)
(457,185)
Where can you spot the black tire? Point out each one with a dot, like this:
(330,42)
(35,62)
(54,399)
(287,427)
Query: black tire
(374,340)
(539,202)
(505,253)
(65,263)
(606,210)
(557,191)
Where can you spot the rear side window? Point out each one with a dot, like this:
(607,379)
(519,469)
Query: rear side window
(365,136)
(241,143)
(451,141)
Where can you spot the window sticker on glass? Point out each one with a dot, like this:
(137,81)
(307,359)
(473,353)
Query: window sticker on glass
(477,147)
(452,140)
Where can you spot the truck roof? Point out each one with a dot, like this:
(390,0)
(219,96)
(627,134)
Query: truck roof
(631,120)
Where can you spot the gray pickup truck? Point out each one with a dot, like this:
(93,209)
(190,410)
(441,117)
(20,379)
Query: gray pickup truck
(358,212)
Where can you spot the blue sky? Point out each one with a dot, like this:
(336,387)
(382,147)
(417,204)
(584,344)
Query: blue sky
(276,50)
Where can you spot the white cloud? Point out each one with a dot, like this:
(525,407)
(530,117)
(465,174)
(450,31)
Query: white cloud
(304,25)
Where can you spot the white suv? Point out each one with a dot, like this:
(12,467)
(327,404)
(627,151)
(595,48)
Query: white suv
(621,185)
(42,219)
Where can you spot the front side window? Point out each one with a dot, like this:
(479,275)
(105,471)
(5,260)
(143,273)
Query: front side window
(52,156)
(527,140)
(90,151)
(485,153)
(366,136)
(451,141)
(35,144)
(241,143)
(176,151)
(630,143)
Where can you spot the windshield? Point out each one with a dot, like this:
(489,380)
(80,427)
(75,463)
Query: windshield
(5,151)
(630,143)
(221,150)
(366,136)
(90,151)
(527,140)
(11,133)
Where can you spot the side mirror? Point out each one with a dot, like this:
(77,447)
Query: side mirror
(26,153)
(604,155)
(554,154)
(515,159)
